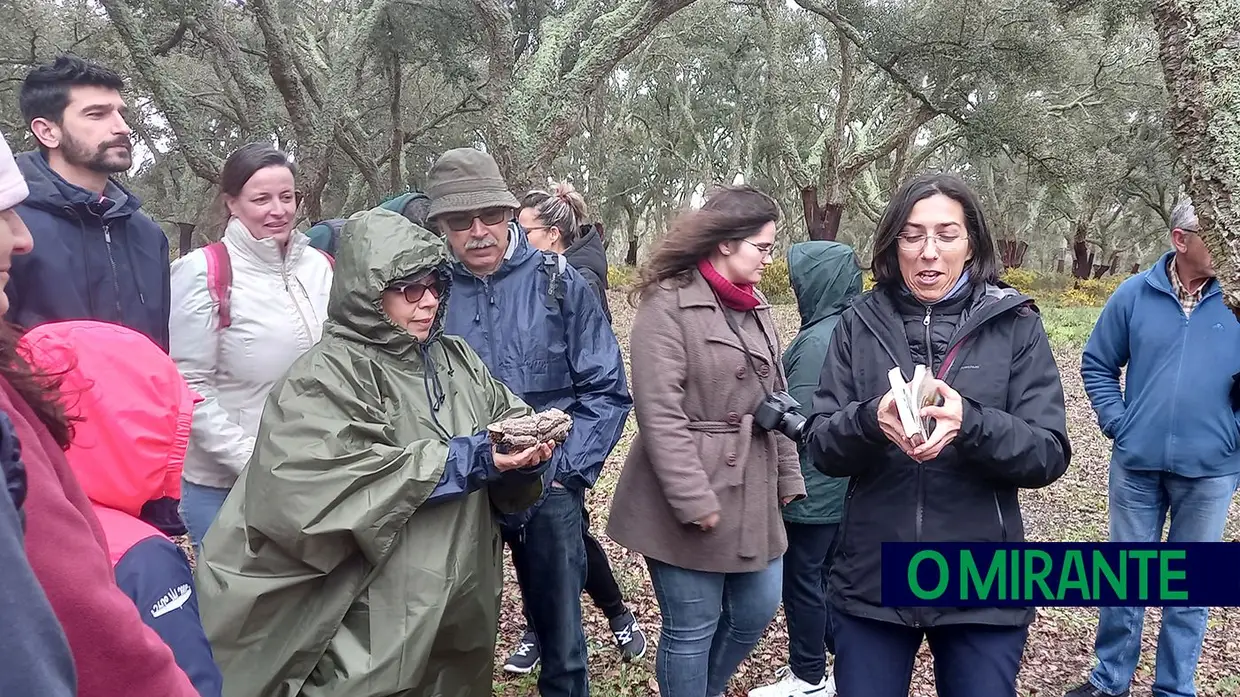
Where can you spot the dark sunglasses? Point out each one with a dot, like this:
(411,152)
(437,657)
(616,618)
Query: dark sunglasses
(414,290)
(463,221)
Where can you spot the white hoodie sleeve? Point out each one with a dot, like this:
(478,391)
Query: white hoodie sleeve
(193,328)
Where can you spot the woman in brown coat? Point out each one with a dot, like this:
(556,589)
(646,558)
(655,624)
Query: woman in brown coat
(700,493)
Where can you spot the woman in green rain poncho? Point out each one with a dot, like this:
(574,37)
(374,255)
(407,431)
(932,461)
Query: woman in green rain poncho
(358,555)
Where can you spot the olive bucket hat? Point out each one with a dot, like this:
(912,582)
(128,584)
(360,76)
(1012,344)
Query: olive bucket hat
(467,179)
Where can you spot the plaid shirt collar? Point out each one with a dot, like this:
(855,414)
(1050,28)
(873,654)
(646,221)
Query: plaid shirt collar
(1188,301)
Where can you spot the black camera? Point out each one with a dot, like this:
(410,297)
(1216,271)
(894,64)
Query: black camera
(778,412)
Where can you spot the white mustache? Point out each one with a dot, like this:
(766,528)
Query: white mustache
(481,244)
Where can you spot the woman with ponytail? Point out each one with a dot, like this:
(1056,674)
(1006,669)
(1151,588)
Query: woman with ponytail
(554,222)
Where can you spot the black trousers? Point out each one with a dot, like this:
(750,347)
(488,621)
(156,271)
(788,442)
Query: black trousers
(601,583)
(806,565)
(875,659)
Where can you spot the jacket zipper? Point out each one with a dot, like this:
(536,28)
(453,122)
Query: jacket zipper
(288,289)
(921,491)
(999,511)
(116,284)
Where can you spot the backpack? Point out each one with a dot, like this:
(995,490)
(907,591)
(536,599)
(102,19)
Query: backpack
(325,235)
(219,279)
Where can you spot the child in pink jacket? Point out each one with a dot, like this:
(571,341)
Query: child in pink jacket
(134,412)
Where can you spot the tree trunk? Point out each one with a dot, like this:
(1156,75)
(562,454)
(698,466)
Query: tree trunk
(185,238)
(1012,253)
(398,134)
(1199,47)
(168,96)
(1082,260)
(822,221)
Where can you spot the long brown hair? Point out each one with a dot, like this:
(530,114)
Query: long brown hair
(40,391)
(730,213)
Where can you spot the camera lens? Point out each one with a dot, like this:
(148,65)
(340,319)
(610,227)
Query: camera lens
(792,425)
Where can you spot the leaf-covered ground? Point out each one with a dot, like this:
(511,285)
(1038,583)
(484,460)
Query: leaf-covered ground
(1060,649)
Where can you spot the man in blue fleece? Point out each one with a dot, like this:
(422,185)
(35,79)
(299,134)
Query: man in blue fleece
(1175,431)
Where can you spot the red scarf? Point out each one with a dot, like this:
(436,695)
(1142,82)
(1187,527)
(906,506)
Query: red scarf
(736,297)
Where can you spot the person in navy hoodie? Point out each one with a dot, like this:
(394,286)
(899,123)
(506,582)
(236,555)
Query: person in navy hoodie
(96,255)
(1175,428)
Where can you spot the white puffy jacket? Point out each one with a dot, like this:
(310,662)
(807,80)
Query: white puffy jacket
(279,303)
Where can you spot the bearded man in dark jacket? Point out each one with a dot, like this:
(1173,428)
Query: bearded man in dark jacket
(1001,427)
(96,255)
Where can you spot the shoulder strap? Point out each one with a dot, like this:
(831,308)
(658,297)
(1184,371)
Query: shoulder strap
(330,259)
(219,280)
(554,265)
(950,358)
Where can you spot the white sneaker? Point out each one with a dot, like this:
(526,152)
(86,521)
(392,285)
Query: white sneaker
(789,685)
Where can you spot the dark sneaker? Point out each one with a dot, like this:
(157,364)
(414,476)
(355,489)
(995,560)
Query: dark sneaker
(1088,690)
(525,658)
(629,637)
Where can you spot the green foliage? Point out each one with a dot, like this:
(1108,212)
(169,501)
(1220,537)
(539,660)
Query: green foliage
(1060,290)
(621,277)
(1069,326)
(776,284)
(1091,293)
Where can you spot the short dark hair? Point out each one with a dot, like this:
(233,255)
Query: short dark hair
(45,92)
(983,267)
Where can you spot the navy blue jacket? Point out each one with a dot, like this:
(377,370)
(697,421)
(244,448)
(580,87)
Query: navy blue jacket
(34,654)
(155,574)
(1175,412)
(94,258)
(551,353)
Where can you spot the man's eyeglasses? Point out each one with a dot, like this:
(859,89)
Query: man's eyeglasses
(415,290)
(463,221)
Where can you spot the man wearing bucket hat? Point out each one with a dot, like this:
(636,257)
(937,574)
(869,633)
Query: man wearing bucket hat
(540,330)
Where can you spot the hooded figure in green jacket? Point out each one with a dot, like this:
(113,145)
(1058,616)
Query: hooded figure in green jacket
(825,278)
(358,555)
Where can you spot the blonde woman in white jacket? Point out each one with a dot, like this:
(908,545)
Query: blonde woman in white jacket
(233,345)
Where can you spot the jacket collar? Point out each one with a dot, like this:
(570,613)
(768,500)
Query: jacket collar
(265,253)
(1157,277)
(698,293)
(881,314)
(49,191)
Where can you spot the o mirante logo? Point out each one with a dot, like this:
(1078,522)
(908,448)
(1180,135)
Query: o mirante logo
(1060,573)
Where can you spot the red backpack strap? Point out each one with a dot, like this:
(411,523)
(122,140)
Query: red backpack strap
(330,259)
(949,359)
(219,280)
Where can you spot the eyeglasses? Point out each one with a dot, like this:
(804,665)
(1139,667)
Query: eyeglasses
(415,290)
(917,240)
(463,221)
(765,247)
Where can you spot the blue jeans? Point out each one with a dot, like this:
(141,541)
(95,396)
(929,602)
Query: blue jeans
(711,621)
(550,560)
(1140,501)
(199,506)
